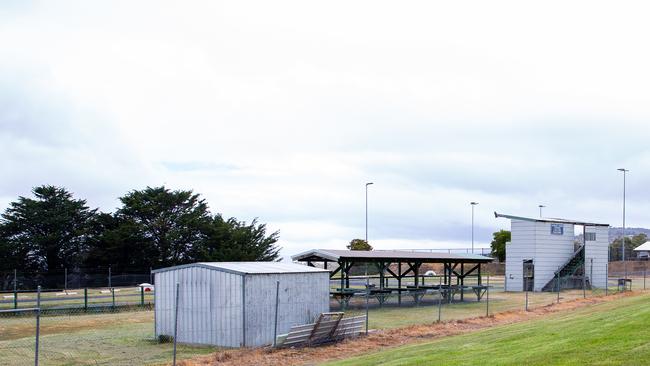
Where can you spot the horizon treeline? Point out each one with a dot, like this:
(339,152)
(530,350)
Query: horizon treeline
(154,227)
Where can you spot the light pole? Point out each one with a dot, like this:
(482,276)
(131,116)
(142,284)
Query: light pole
(367,278)
(623,240)
(473,204)
(367,184)
(540,210)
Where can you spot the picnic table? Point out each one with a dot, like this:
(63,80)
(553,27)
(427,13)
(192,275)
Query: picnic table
(343,296)
(479,291)
(381,294)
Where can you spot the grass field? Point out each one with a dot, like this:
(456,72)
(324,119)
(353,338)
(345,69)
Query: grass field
(124,338)
(611,333)
(127,338)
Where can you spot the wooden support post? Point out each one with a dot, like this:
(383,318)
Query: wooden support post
(347,275)
(342,264)
(381,275)
(444,273)
(399,283)
(462,281)
(417,273)
(479,274)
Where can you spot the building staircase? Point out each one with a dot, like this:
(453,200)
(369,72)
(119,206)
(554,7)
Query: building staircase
(571,273)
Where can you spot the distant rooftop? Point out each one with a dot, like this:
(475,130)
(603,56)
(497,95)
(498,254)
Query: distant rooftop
(549,219)
(248,267)
(645,247)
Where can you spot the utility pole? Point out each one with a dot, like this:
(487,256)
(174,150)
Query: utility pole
(623,240)
(473,204)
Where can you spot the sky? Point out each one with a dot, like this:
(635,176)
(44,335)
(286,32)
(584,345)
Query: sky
(283,110)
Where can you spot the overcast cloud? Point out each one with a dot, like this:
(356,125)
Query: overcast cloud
(283,110)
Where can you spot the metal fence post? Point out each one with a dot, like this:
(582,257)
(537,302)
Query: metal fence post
(176,322)
(584,280)
(526,284)
(367,297)
(142,296)
(277,300)
(15,289)
(557,282)
(65,280)
(440,298)
(38,324)
(607,275)
(86,298)
(487,296)
(113,294)
(644,270)
(110,284)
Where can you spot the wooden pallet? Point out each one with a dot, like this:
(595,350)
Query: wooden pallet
(329,327)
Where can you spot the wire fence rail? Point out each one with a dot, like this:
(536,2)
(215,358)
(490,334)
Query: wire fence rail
(95,327)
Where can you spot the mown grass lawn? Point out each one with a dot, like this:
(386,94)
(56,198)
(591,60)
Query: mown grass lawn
(612,333)
(123,338)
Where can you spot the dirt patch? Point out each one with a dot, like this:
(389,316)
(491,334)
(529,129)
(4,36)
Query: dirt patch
(383,339)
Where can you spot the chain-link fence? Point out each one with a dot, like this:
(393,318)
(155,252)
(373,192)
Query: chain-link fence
(74,278)
(112,330)
(402,304)
(116,326)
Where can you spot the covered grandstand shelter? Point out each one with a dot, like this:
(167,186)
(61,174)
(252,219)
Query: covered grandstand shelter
(544,254)
(456,267)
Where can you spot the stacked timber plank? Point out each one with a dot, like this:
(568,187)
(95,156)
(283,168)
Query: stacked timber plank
(329,327)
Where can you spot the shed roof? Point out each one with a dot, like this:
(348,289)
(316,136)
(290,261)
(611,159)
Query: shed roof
(335,255)
(248,267)
(549,219)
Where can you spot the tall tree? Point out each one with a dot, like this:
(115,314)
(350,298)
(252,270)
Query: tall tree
(49,232)
(630,244)
(166,225)
(498,244)
(119,243)
(232,240)
(359,244)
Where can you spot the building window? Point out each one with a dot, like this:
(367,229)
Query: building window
(557,229)
(590,236)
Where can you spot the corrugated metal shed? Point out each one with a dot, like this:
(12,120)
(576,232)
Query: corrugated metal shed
(232,304)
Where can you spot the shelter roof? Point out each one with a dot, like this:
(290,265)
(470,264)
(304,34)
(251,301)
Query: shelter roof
(549,219)
(335,255)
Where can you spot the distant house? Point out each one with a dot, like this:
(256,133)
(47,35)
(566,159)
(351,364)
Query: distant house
(643,250)
(540,248)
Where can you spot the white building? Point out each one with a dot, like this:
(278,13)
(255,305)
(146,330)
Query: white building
(540,247)
(232,304)
(643,250)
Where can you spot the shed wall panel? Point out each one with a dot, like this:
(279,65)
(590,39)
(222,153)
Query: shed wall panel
(597,256)
(551,251)
(522,246)
(302,297)
(209,310)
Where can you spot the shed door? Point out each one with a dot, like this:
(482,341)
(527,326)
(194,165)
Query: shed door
(529,275)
